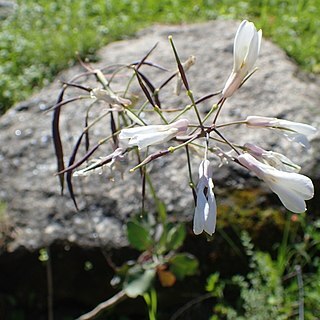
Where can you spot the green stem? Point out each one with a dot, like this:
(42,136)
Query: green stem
(230,124)
(213,109)
(158,111)
(128,85)
(173,149)
(220,104)
(151,300)
(190,95)
(191,183)
(187,108)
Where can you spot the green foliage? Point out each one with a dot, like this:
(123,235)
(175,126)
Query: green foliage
(215,287)
(43,255)
(138,281)
(271,289)
(183,264)
(30,56)
(158,242)
(176,236)
(161,238)
(138,236)
(172,237)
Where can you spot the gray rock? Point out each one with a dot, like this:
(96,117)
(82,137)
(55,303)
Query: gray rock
(31,191)
(7,8)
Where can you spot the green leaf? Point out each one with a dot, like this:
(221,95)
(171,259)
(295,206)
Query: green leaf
(138,281)
(212,281)
(176,236)
(183,264)
(138,236)
(162,211)
(214,285)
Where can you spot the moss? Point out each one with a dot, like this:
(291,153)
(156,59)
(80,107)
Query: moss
(244,210)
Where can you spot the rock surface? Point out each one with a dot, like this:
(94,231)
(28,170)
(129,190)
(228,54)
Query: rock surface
(31,192)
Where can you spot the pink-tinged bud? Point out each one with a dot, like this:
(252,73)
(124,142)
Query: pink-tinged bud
(293,131)
(291,188)
(205,214)
(246,49)
(145,136)
(274,159)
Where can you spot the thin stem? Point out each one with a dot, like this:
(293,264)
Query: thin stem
(128,84)
(173,149)
(49,284)
(64,102)
(189,305)
(207,146)
(158,111)
(220,104)
(230,124)
(151,300)
(154,302)
(95,121)
(143,190)
(228,143)
(104,306)
(191,184)
(115,72)
(301,292)
(213,109)
(102,79)
(208,96)
(187,108)
(142,107)
(190,95)
(150,158)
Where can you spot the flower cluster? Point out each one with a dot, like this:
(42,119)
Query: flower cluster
(132,132)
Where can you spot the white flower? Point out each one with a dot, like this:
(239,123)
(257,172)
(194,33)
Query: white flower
(246,49)
(145,136)
(113,162)
(206,209)
(109,97)
(291,188)
(274,159)
(294,131)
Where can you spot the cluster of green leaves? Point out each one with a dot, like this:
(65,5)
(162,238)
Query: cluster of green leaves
(42,37)
(158,243)
(271,289)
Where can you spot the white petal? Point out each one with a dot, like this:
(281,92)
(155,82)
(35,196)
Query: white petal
(198,219)
(210,219)
(201,169)
(130,132)
(145,140)
(242,43)
(198,222)
(299,183)
(302,128)
(253,52)
(280,162)
(290,199)
(291,188)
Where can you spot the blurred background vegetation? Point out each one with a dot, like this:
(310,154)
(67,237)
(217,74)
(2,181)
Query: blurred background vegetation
(38,38)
